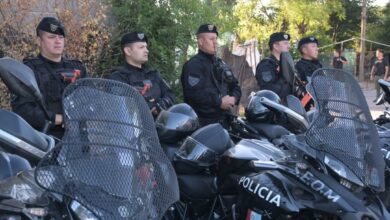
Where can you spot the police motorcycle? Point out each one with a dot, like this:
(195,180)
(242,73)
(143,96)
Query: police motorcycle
(384,118)
(109,164)
(194,153)
(20,145)
(383,125)
(334,170)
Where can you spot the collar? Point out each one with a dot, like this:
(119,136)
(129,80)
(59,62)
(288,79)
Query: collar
(45,60)
(312,61)
(134,68)
(274,58)
(211,57)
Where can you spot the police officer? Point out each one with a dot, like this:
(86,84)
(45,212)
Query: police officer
(308,48)
(134,72)
(268,71)
(53,73)
(209,85)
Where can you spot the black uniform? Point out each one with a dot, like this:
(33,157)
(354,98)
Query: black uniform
(205,81)
(269,76)
(306,68)
(52,78)
(337,62)
(149,82)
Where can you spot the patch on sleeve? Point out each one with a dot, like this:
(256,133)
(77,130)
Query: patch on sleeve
(266,76)
(193,81)
(13,97)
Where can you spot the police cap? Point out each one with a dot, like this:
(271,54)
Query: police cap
(207,28)
(307,40)
(51,25)
(278,36)
(133,37)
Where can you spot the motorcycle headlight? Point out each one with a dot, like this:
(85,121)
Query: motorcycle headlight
(82,212)
(36,212)
(342,171)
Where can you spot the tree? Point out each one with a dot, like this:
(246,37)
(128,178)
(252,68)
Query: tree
(258,19)
(348,26)
(379,29)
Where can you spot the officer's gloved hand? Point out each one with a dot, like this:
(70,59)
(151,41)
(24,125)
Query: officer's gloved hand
(150,101)
(163,104)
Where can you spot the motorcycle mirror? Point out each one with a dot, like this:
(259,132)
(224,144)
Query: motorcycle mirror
(19,78)
(294,104)
(288,67)
(385,86)
(292,115)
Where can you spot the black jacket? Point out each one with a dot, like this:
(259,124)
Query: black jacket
(52,78)
(205,82)
(306,68)
(159,94)
(269,76)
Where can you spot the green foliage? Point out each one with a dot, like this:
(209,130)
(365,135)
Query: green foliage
(378,30)
(258,19)
(348,26)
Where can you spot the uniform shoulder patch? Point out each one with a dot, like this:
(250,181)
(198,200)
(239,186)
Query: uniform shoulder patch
(193,81)
(266,76)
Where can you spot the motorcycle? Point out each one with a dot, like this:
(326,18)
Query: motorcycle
(334,170)
(384,118)
(21,146)
(109,164)
(305,177)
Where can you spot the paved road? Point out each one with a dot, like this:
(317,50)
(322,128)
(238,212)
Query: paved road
(370,93)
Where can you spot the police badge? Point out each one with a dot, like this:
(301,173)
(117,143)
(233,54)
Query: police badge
(141,36)
(193,80)
(311,38)
(210,27)
(285,36)
(53,27)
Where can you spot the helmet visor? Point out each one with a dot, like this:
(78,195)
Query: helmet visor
(175,121)
(194,151)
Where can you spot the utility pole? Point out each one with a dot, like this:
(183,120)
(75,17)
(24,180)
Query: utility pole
(362,40)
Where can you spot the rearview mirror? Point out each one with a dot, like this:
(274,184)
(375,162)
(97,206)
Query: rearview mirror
(288,67)
(19,79)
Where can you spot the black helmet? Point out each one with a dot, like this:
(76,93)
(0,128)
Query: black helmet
(257,112)
(205,146)
(178,121)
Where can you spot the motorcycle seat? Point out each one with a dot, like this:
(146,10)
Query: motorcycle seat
(270,131)
(13,124)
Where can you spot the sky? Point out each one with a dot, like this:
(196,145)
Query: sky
(381,2)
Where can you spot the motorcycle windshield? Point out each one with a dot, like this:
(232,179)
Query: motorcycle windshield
(110,160)
(343,126)
(193,151)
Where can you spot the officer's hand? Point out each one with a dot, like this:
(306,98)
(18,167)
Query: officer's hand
(227,102)
(371,77)
(154,111)
(58,119)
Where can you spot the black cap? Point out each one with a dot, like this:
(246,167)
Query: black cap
(307,40)
(207,28)
(51,25)
(134,37)
(278,36)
